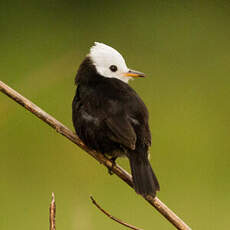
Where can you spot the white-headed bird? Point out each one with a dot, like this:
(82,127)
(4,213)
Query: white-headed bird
(110,117)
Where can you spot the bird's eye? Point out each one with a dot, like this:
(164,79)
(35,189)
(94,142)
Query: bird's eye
(113,68)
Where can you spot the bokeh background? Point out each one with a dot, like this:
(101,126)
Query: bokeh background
(182,46)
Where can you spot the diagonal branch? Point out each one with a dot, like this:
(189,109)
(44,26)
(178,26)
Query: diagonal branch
(116,169)
(112,217)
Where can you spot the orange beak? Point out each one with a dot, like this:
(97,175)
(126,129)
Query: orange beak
(133,73)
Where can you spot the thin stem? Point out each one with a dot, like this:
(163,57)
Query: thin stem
(52,213)
(112,217)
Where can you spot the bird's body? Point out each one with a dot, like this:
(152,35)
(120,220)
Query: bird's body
(110,117)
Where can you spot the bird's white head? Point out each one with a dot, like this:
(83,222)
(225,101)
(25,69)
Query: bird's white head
(110,63)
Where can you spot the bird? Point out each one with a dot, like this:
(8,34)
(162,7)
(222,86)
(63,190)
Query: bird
(110,117)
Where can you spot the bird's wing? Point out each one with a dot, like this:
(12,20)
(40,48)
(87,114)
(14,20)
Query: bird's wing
(121,131)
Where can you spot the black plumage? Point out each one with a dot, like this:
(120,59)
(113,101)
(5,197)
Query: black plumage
(110,117)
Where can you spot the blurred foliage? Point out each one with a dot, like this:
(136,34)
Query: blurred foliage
(182,46)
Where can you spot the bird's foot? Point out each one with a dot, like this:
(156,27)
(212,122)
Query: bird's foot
(113,159)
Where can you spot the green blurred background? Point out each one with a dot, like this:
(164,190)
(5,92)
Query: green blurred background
(182,46)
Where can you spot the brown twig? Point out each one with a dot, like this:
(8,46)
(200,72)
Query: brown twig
(116,169)
(52,213)
(112,217)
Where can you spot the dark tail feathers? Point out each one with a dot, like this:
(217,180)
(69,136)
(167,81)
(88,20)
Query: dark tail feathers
(144,179)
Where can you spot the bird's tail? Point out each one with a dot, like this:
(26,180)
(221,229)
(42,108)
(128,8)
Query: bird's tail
(144,179)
